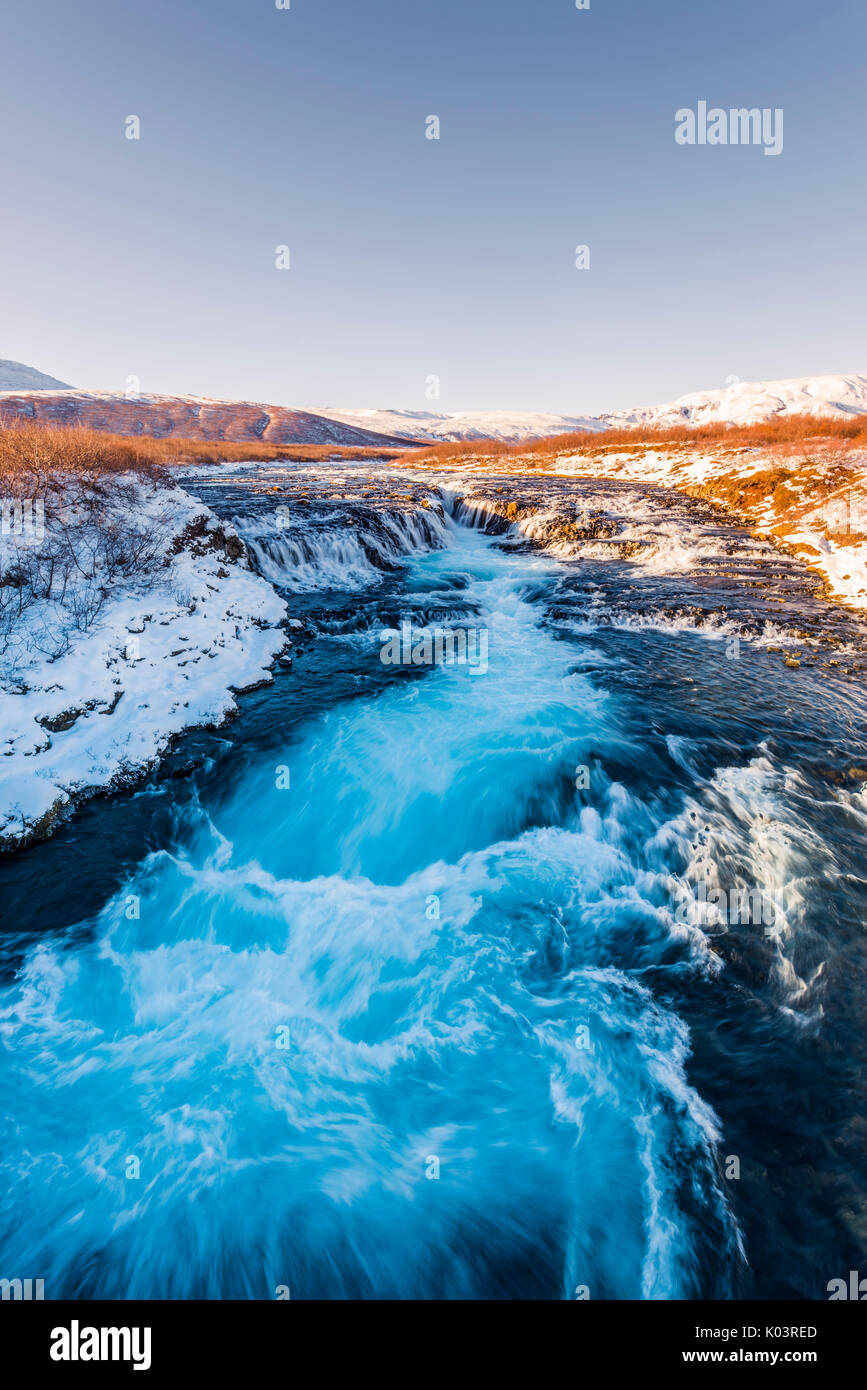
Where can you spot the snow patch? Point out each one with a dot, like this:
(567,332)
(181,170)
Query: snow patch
(748,402)
(167,653)
(512,427)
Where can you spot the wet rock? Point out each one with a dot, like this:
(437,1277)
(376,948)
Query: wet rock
(186,769)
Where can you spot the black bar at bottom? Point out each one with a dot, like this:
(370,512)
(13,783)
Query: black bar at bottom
(165,1340)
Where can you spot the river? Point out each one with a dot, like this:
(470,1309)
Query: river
(430,980)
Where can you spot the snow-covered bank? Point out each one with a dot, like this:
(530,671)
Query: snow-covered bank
(815,506)
(83,711)
(810,500)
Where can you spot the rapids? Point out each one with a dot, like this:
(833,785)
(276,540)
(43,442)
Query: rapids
(384,991)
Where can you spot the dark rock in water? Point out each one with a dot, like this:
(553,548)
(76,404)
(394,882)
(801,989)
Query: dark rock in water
(186,769)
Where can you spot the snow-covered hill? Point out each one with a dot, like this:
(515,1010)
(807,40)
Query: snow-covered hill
(749,401)
(739,404)
(508,425)
(31,394)
(15,376)
(186,417)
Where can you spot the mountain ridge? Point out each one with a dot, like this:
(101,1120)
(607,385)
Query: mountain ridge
(17,376)
(187,417)
(208,418)
(750,402)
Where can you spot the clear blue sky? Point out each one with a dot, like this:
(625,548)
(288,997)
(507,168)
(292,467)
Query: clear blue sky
(413,257)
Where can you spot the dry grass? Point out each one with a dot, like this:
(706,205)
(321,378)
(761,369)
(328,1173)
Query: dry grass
(470,448)
(782,430)
(30,454)
(790,491)
(741,494)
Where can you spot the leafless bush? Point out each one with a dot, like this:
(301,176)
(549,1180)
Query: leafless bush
(96,534)
(16,596)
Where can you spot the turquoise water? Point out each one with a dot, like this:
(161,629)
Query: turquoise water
(425,1022)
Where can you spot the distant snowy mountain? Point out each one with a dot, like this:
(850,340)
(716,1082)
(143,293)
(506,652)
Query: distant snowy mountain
(747,402)
(27,393)
(510,426)
(15,376)
(740,404)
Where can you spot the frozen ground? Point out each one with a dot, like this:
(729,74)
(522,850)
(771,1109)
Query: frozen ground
(821,512)
(83,711)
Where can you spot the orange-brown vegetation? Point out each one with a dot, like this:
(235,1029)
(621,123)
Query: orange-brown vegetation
(31,453)
(781,430)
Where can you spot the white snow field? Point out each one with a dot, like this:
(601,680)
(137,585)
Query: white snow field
(747,402)
(741,403)
(507,425)
(82,711)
